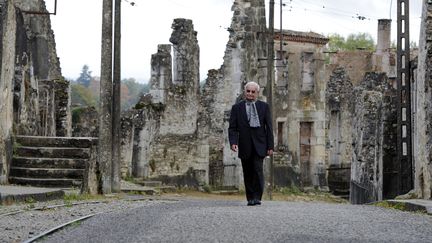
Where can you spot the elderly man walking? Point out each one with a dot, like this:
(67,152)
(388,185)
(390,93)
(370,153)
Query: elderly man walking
(251,135)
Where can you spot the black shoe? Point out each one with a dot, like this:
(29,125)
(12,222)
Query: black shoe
(251,203)
(257,202)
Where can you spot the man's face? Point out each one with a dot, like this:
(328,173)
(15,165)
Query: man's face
(251,93)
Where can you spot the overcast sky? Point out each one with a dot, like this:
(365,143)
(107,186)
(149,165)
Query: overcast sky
(77,27)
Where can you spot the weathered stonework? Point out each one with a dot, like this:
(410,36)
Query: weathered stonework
(423,117)
(31,78)
(339,116)
(182,92)
(85,122)
(139,127)
(41,95)
(8,39)
(373,137)
(318,141)
(180,144)
(299,109)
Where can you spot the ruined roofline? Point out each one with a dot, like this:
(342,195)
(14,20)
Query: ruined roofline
(299,36)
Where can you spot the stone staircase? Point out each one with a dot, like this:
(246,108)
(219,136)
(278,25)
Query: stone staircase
(50,161)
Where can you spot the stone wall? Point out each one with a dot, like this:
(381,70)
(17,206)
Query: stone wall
(423,104)
(41,95)
(31,77)
(85,122)
(373,137)
(139,128)
(299,110)
(355,63)
(243,62)
(339,117)
(188,136)
(7,50)
(182,92)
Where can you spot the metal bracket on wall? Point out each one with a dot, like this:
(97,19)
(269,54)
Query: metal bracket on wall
(43,13)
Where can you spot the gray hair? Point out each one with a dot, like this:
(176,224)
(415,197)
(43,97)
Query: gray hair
(251,83)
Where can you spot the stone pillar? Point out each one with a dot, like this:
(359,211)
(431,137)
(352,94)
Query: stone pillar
(161,76)
(186,53)
(182,101)
(422,149)
(382,54)
(7,48)
(384,34)
(62,115)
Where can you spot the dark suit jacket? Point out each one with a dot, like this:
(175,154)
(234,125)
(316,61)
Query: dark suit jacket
(247,138)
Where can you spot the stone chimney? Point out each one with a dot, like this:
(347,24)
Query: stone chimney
(384,33)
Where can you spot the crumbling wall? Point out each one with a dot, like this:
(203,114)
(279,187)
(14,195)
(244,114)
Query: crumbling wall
(339,117)
(41,95)
(139,128)
(367,141)
(191,129)
(181,113)
(356,63)
(174,151)
(423,116)
(372,137)
(243,62)
(299,110)
(85,122)
(31,77)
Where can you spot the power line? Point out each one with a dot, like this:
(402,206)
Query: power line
(308,6)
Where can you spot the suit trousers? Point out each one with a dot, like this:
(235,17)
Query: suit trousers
(253,176)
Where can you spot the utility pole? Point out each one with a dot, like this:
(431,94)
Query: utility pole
(105,108)
(404,140)
(116,177)
(270,76)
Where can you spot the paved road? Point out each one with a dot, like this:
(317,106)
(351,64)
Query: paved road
(194,220)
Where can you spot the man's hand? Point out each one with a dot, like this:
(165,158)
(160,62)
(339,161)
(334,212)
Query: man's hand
(234,147)
(269,152)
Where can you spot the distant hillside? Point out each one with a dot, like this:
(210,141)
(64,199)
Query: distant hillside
(89,96)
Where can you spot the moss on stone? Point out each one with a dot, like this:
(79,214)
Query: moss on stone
(76,114)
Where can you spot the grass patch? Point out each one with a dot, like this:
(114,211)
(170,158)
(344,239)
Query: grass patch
(80,197)
(395,205)
(298,194)
(29,200)
(399,206)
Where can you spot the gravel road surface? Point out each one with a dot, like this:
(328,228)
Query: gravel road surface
(195,220)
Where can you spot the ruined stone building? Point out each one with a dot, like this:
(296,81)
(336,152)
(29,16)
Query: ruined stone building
(179,135)
(299,109)
(35,96)
(334,114)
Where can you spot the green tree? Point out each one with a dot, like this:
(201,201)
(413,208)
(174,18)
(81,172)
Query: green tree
(85,76)
(351,43)
(134,91)
(336,42)
(360,41)
(82,96)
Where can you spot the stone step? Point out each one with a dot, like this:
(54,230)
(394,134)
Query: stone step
(37,141)
(45,182)
(52,152)
(31,162)
(47,173)
(150,183)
